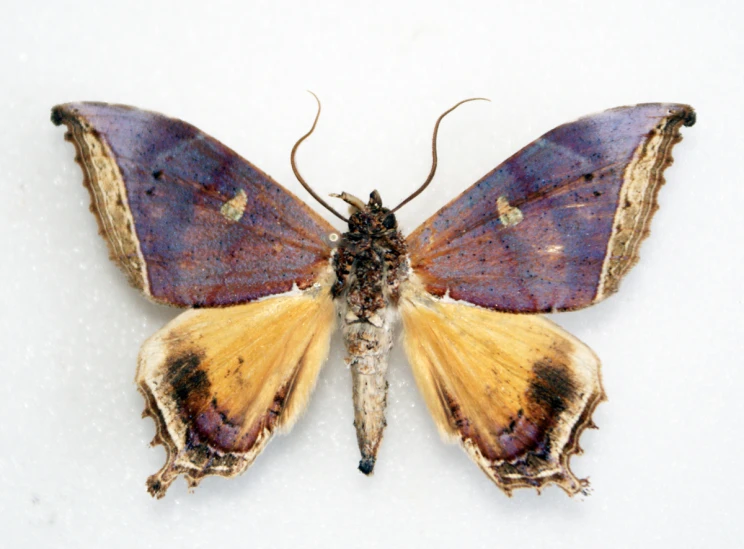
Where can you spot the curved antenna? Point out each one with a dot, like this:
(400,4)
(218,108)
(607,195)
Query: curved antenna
(434,152)
(297,172)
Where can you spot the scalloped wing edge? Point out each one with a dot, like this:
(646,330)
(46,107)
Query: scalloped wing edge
(108,195)
(214,462)
(195,455)
(459,407)
(560,475)
(642,179)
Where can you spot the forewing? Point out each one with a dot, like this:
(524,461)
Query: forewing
(189,221)
(557,225)
(515,390)
(219,382)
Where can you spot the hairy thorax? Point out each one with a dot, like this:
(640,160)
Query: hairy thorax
(370,264)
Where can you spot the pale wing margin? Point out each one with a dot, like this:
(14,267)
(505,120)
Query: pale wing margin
(515,390)
(219,382)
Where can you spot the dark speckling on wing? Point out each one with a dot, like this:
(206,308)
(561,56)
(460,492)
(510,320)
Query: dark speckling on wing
(177,179)
(567,186)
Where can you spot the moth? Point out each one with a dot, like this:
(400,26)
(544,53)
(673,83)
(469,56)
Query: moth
(264,279)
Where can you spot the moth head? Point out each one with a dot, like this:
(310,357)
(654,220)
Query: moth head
(369,219)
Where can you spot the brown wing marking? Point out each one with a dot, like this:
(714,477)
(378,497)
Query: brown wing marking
(515,390)
(219,382)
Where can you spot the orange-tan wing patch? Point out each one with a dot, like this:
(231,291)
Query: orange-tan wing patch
(219,382)
(516,390)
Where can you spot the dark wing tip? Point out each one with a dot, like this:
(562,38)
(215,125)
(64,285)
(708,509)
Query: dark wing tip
(684,113)
(690,117)
(58,116)
(66,111)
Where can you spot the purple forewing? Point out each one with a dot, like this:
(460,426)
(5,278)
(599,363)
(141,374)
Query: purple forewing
(177,179)
(566,186)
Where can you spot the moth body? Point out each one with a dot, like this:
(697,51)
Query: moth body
(553,228)
(370,264)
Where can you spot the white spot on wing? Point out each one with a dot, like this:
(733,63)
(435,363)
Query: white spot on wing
(234,208)
(554,249)
(508,215)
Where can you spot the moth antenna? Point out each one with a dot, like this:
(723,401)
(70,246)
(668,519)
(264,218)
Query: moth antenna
(297,172)
(434,152)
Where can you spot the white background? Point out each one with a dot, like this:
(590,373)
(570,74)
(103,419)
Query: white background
(665,464)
